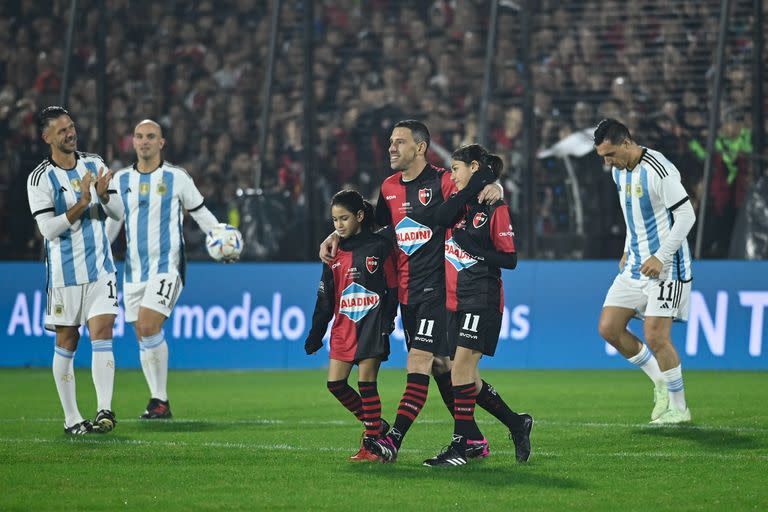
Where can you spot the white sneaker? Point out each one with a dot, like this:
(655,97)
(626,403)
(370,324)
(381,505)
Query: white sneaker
(673,416)
(660,401)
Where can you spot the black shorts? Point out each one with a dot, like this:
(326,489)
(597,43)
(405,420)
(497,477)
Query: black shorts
(424,326)
(476,330)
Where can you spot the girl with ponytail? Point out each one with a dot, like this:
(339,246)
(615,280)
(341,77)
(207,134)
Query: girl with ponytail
(359,288)
(479,242)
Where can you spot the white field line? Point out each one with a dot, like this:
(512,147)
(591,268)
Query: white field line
(293,448)
(270,421)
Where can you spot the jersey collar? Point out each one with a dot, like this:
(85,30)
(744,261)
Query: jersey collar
(136,167)
(50,159)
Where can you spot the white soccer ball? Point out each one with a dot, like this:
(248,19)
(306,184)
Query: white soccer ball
(224,242)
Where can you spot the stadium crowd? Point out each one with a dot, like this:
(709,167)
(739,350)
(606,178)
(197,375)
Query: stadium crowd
(198,68)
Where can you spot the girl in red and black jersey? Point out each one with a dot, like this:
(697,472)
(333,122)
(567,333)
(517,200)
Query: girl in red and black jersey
(479,242)
(359,287)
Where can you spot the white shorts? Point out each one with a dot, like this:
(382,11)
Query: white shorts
(158,293)
(75,305)
(651,297)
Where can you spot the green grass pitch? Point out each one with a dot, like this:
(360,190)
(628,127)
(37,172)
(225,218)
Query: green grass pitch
(268,440)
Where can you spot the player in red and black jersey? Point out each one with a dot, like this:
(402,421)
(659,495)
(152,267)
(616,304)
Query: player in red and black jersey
(478,244)
(410,199)
(359,287)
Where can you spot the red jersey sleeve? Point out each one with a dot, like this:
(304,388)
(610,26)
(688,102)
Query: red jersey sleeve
(502,235)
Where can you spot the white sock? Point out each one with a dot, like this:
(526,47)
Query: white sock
(647,362)
(674,378)
(64,375)
(156,353)
(103,373)
(146,367)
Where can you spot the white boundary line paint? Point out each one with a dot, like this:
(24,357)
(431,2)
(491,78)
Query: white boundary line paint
(268,421)
(293,448)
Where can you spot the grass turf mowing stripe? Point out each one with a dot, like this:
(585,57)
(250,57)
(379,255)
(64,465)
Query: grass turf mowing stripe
(539,423)
(291,448)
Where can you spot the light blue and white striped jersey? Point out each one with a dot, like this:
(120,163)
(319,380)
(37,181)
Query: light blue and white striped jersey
(648,195)
(154,205)
(82,253)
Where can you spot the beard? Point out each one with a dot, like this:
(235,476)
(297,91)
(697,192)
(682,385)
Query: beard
(65,148)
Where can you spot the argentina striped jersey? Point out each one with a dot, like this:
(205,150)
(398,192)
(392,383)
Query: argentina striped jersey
(648,195)
(154,204)
(82,253)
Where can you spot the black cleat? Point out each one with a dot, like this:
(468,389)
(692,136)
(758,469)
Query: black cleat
(157,410)
(105,421)
(522,439)
(451,456)
(384,448)
(383,429)
(80,429)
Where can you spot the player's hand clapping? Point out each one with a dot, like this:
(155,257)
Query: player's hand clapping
(85,189)
(102,184)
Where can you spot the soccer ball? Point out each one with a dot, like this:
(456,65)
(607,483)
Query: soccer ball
(224,242)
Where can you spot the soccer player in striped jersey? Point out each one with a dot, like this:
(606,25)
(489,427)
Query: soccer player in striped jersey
(154,194)
(360,289)
(81,279)
(654,280)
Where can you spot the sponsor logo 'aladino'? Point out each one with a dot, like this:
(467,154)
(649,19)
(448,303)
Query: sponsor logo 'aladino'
(411,235)
(357,301)
(458,257)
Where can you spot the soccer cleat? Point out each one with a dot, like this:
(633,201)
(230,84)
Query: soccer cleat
(383,429)
(363,455)
(522,439)
(79,429)
(157,410)
(105,421)
(660,400)
(673,416)
(384,448)
(451,456)
(477,449)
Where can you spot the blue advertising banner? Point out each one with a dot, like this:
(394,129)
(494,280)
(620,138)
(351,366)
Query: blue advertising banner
(256,315)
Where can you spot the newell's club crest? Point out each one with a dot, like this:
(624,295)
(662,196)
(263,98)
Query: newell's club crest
(480,219)
(425,196)
(371,263)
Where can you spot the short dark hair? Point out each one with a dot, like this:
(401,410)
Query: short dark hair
(48,114)
(418,129)
(611,130)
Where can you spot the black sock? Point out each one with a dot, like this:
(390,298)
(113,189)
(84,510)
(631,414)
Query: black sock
(413,401)
(371,408)
(443,381)
(348,397)
(464,425)
(490,400)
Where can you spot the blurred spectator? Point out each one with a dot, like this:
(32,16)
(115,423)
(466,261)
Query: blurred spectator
(199,67)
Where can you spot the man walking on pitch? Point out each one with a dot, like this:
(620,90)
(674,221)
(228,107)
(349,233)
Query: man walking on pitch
(654,279)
